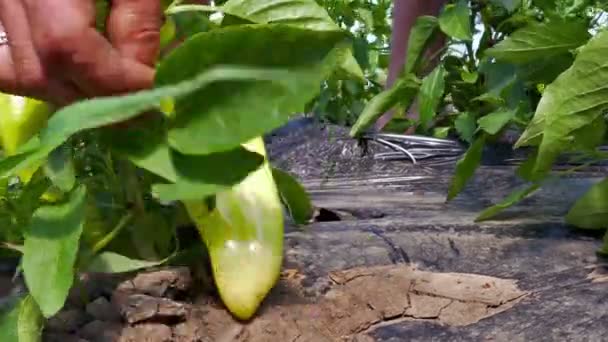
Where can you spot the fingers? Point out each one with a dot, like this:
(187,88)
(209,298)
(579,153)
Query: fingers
(21,65)
(74,48)
(21,70)
(134,29)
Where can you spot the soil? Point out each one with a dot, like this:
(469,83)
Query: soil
(387,259)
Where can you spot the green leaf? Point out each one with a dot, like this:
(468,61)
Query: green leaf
(109,262)
(441,132)
(545,71)
(537,41)
(22,322)
(591,210)
(404,91)
(60,168)
(577,98)
(493,122)
(99,112)
(214,119)
(465,167)
(455,21)
(469,77)
(420,37)
(50,250)
(301,13)
(509,5)
(512,199)
(196,180)
(603,251)
(465,126)
(348,67)
(294,196)
(430,95)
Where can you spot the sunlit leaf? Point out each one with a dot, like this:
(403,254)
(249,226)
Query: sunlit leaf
(455,20)
(465,167)
(513,198)
(577,98)
(302,13)
(403,91)
(430,95)
(420,37)
(541,40)
(50,250)
(221,117)
(493,122)
(591,210)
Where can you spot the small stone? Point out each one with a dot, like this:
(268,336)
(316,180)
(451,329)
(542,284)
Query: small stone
(147,332)
(102,310)
(67,321)
(136,308)
(167,283)
(99,331)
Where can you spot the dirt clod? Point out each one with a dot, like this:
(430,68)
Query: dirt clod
(136,308)
(168,283)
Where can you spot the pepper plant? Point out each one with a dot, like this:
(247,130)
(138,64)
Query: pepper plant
(538,69)
(99,187)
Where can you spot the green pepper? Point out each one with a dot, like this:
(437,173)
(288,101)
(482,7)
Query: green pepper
(20,119)
(243,232)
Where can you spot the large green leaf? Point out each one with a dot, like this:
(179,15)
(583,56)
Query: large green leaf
(591,210)
(465,167)
(512,199)
(420,37)
(104,111)
(302,13)
(293,196)
(576,99)
(493,122)
(431,92)
(22,322)
(403,91)
(50,250)
(455,21)
(540,40)
(196,180)
(221,117)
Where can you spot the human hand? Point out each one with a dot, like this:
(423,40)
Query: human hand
(55,53)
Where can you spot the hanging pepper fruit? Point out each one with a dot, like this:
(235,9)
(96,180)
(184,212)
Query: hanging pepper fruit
(243,232)
(20,119)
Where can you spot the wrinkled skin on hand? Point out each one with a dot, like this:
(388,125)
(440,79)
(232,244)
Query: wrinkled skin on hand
(56,54)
